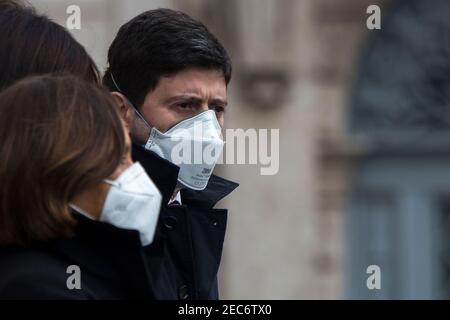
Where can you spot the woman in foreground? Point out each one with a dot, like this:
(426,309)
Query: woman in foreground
(75,213)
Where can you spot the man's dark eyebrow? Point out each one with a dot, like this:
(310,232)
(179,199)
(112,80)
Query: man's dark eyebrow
(184,97)
(194,99)
(222,102)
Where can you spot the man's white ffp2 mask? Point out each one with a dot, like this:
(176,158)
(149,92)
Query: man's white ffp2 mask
(194,144)
(133,202)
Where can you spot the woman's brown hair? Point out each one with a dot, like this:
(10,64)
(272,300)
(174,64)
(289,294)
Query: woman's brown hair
(59,135)
(33,44)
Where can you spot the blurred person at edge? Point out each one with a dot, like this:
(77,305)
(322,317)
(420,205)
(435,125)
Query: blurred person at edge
(70,195)
(32,44)
(169,74)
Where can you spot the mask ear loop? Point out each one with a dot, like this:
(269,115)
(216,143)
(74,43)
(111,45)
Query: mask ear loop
(112,183)
(132,105)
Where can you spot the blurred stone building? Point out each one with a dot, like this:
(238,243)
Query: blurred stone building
(289,235)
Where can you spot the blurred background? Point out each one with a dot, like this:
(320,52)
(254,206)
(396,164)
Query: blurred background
(364,176)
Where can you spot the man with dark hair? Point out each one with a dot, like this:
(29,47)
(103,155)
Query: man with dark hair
(169,75)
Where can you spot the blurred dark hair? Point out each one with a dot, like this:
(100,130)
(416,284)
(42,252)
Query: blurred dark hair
(157,43)
(32,44)
(59,135)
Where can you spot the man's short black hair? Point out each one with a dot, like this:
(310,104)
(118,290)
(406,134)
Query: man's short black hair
(157,43)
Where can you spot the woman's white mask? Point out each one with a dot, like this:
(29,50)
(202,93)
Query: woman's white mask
(133,202)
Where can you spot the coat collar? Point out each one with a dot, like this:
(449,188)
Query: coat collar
(165,175)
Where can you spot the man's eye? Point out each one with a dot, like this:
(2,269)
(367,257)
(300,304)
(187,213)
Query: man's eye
(218,109)
(185,105)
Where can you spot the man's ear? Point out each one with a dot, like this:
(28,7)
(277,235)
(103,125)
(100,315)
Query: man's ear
(124,107)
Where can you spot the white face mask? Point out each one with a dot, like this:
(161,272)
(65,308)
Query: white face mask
(194,144)
(133,202)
